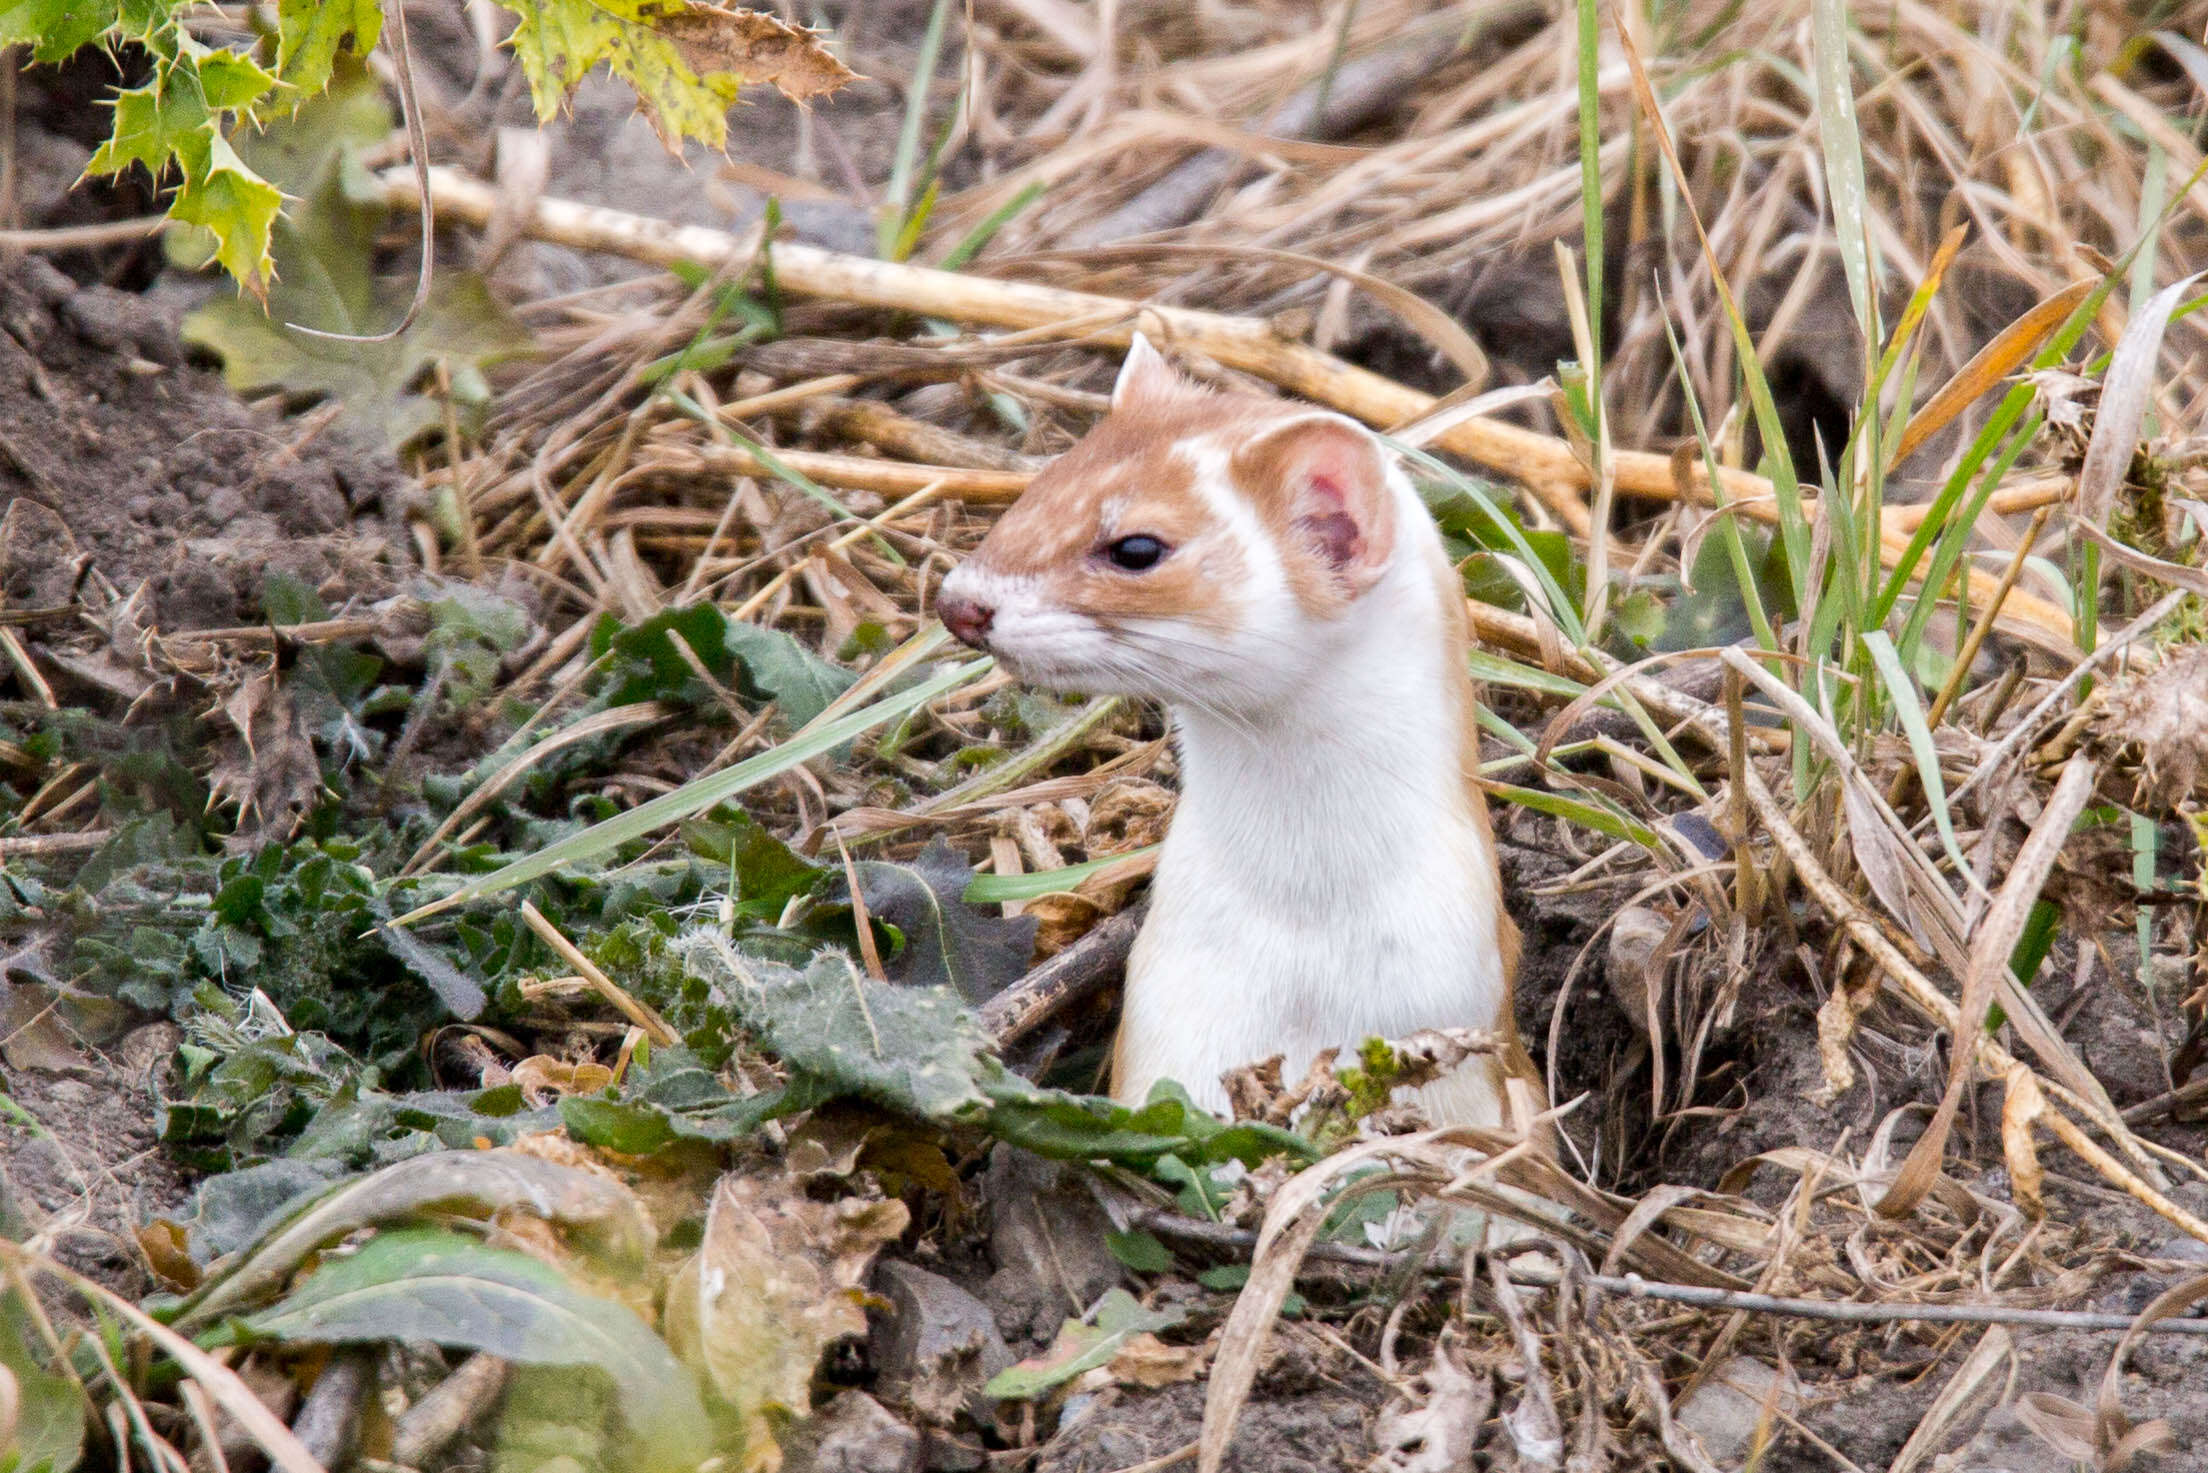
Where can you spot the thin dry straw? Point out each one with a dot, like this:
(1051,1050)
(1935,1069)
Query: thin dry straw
(1218,1235)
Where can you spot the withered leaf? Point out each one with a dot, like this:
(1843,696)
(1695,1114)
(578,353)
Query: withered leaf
(755,47)
(776,1281)
(271,772)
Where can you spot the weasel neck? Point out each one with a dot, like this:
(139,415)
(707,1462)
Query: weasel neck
(1361,773)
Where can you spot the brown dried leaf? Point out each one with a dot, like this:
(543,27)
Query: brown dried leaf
(2116,1439)
(2020,1107)
(542,1078)
(1436,1421)
(2125,389)
(164,1244)
(1993,363)
(775,1283)
(272,774)
(2059,1422)
(755,47)
(1149,1362)
(2162,718)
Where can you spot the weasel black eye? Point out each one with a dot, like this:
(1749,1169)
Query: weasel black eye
(1136,554)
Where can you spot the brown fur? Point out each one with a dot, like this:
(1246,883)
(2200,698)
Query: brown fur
(1276,472)
(1514,1061)
(1123,479)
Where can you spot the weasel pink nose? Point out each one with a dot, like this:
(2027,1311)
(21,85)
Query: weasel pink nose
(965,617)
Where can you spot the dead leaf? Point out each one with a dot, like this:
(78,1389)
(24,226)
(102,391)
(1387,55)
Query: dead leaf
(2162,719)
(31,1032)
(754,48)
(272,773)
(2060,397)
(166,1246)
(1436,1422)
(1149,1362)
(2021,1105)
(2125,390)
(776,1281)
(1992,363)
(2059,1422)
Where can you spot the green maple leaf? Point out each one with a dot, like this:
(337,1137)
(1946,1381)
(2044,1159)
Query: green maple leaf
(325,279)
(235,204)
(55,28)
(309,33)
(153,124)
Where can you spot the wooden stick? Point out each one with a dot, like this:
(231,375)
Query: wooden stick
(1545,464)
(1080,971)
(865,473)
(1167,1224)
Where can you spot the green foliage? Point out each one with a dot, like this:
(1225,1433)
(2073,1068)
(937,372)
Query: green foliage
(194,119)
(325,256)
(47,1428)
(1083,1345)
(1140,1251)
(661,660)
(429,1284)
(921,1051)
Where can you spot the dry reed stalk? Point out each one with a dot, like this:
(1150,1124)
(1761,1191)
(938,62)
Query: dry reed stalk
(1545,464)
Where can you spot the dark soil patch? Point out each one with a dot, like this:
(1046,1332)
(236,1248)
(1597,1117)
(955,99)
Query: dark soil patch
(119,460)
(1299,1424)
(81,1168)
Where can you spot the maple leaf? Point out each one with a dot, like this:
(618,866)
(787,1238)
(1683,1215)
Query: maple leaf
(55,28)
(687,61)
(309,33)
(326,280)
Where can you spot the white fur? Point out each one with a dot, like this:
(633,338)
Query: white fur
(1324,880)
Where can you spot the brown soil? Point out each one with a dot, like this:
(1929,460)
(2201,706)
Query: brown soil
(81,1167)
(118,460)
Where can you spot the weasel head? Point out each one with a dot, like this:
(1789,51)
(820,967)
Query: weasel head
(1196,547)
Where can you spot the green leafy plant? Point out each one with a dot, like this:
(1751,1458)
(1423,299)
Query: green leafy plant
(191,118)
(436,1286)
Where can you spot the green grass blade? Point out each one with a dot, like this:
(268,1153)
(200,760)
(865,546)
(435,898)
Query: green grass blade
(1600,817)
(1590,179)
(1901,692)
(979,237)
(693,798)
(1493,669)
(1558,602)
(1004,889)
(905,167)
(1843,150)
(1728,525)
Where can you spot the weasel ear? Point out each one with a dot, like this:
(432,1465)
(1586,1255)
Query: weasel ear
(1144,375)
(1321,481)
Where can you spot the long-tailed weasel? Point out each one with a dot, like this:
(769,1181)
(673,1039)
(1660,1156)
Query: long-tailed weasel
(1267,571)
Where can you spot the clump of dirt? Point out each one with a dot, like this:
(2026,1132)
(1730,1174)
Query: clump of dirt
(1293,1424)
(81,1166)
(120,459)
